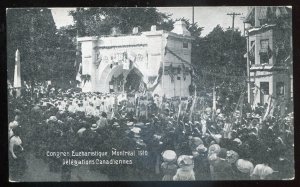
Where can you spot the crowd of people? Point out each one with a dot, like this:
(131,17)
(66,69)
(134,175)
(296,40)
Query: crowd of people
(182,141)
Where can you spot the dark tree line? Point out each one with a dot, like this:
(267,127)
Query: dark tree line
(48,53)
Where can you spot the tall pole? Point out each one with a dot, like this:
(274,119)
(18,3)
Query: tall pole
(193,14)
(248,70)
(233,14)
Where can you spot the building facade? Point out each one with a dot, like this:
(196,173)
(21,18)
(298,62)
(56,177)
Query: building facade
(155,60)
(269,56)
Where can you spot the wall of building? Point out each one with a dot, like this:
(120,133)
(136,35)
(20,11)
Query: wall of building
(178,87)
(147,52)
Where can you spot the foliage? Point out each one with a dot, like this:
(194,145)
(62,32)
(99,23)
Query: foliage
(85,78)
(99,21)
(218,54)
(36,55)
(45,53)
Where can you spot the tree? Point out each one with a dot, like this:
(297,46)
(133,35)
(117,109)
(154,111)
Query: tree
(216,56)
(46,53)
(66,53)
(32,31)
(99,21)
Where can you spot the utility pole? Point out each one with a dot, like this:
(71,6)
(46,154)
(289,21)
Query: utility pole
(193,15)
(233,14)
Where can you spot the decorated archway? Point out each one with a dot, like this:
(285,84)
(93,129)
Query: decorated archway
(117,79)
(133,81)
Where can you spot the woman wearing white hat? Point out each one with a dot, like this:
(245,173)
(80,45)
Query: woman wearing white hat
(169,166)
(185,171)
(262,172)
(244,169)
(201,168)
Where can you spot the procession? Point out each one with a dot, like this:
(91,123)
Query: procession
(137,109)
(244,144)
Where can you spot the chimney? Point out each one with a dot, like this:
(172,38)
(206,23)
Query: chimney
(135,30)
(257,11)
(153,28)
(180,28)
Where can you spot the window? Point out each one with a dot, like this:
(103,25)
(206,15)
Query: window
(264,51)
(252,52)
(280,88)
(264,44)
(264,88)
(264,58)
(185,45)
(178,78)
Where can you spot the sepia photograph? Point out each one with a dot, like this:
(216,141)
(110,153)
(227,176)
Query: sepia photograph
(191,93)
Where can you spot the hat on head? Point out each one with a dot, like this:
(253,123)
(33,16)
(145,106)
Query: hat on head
(136,130)
(129,123)
(215,148)
(208,109)
(244,166)
(60,122)
(80,131)
(232,156)
(217,137)
(201,148)
(116,124)
(238,141)
(197,141)
(262,171)
(169,155)
(185,160)
(52,119)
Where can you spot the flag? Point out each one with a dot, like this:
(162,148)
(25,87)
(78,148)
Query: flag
(241,108)
(79,73)
(193,105)
(157,80)
(270,109)
(179,110)
(214,102)
(142,87)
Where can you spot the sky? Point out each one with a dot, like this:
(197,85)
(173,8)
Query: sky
(207,17)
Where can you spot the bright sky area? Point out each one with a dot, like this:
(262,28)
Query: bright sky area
(207,17)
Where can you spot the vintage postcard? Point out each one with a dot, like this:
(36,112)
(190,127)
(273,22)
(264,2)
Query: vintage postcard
(150,93)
